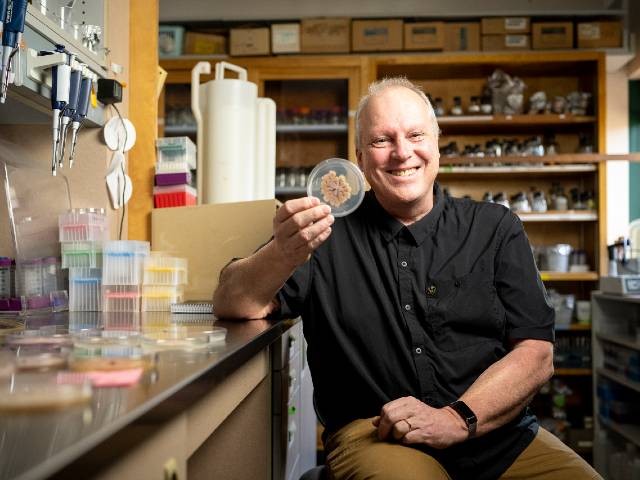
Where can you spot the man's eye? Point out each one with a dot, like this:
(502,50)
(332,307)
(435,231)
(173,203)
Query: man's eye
(378,142)
(416,136)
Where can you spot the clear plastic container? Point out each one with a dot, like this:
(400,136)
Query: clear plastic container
(29,277)
(172,167)
(50,275)
(176,149)
(85,293)
(175,340)
(84,224)
(337,183)
(174,196)
(120,298)
(160,269)
(5,277)
(81,254)
(158,298)
(123,262)
(38,392)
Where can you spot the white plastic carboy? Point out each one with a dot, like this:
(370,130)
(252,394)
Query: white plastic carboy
(236,137)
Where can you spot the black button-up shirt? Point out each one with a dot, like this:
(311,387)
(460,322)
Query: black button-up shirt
(421,310)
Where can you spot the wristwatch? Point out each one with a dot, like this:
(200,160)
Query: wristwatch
(467,415)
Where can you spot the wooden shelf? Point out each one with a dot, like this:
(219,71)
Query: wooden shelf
(573,372)
(618,378)
(559,216)
(311,129)
(569,276)
(180,130)
(519,120)
(511,169)
(619,340)
(630,432)
(577,327)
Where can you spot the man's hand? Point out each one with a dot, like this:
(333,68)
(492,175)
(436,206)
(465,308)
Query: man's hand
(299,227)
(410,421)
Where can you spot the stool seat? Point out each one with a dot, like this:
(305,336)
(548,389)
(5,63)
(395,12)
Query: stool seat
(316,473)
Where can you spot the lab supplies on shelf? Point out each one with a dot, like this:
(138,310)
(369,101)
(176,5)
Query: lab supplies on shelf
(123,262)
(172,150)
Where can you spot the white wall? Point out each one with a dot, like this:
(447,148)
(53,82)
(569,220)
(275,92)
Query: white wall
(617,130)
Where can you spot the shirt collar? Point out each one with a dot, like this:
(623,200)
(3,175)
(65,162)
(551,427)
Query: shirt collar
(419,230)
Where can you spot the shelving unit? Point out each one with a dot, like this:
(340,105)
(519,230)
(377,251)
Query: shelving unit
(616,349)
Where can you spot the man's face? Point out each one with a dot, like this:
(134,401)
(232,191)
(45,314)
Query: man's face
(398,150)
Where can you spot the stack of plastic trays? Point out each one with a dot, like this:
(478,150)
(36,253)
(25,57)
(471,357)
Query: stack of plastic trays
(5,277)
(164,280)
(122,273)
(82,234)
(176,157)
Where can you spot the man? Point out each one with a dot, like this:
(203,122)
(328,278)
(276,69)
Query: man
(427,323)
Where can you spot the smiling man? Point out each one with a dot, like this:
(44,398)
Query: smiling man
(427,323)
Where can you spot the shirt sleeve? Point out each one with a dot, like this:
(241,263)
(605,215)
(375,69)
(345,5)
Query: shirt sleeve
(529,315)
(293,294)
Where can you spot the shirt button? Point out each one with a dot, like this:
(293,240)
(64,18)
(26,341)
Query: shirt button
(403,263)
(431,291)
(418,350)
(407,307)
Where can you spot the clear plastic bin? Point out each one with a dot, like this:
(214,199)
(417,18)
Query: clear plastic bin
(120,298)
(160,269)
(158,298)
(123,262)
(83,224)
(85,293)
(50,275)
(81,254)
(176,149)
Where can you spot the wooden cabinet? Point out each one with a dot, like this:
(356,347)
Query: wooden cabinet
(616,357)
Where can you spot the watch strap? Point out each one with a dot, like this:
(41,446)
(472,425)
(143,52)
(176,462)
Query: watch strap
(467,415)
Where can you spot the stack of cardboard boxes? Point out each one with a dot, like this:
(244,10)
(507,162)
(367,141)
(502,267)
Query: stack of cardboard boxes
(344,35)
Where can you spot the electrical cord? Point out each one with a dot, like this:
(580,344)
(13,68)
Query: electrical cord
(124,206)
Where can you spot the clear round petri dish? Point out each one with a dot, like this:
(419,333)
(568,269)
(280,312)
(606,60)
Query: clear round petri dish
(31,393)
(35,338)
(168,340)
(338,183)
(137,359)
(28,360)
(216,334)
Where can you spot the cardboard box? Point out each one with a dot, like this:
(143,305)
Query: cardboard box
(326,35)
(549,35)
(505,25)
(424,36)
(204,44)
(170,40)
(249,41)
(285,38)
(462,37)
(223,230)
(376,35)
(603,34)
(492,43)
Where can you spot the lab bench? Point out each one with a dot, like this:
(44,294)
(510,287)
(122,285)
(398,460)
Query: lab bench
(205,413)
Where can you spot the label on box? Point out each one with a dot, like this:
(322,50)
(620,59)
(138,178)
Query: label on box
(515,23)
(589,31)
(375,35)
(515,41)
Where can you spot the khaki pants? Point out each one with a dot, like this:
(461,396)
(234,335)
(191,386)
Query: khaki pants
(355,453)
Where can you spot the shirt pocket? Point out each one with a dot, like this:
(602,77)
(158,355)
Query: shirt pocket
(467,312)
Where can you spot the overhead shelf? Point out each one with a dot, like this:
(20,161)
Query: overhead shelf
(313,128)
(623,341)
(520,120)
(630,432)
(573,372)
(621,379)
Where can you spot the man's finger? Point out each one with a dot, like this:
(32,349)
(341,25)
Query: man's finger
(291,207)
(303,219)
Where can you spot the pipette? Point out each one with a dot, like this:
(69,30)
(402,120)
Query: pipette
(60,78)
(11,36)
(81,110)
(70,108)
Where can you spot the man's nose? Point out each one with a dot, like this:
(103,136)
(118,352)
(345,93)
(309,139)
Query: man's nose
(402,149)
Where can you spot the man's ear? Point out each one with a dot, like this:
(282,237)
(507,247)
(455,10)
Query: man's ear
(359,159)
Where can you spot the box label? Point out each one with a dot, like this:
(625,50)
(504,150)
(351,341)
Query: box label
(375,35)
(589,31)
(515,41)
(515,23)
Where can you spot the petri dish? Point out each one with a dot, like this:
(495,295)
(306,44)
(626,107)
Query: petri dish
(31,393)
(171,340)
(134,359)
(338,183)
(28,360)
(216,334)
(36,338)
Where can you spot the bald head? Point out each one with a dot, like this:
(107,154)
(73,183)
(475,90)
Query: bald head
(377,88)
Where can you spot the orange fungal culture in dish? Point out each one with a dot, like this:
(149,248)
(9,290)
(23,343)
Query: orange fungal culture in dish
(335,188)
